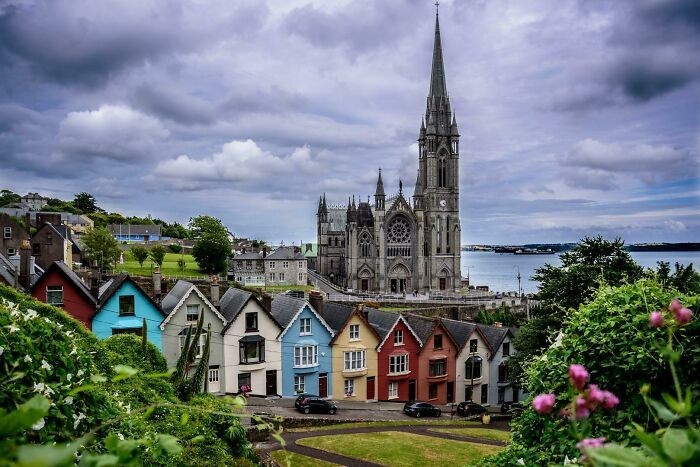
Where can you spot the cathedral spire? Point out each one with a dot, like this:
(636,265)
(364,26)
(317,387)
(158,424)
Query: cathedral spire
(437,76)
(380,185)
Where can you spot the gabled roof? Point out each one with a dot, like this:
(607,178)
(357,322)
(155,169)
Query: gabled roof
(286,309)
(249,255)
(382,321)
(359,314)
(336,314)
(110,287)
(494,335)
(425,327)
(7,272)
(61,230)
(177,296)
(285,252)
(400,318)
(462,331)
(233,302)
(71,277)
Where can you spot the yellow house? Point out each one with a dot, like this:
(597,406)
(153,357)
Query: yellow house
(355,359)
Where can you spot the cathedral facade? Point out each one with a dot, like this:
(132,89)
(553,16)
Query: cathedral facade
(402,244)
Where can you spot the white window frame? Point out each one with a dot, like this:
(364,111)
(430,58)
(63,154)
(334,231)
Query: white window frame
(196,312)
(11,252)
(200,347)
(398,337)
(305,326)
(299,383)
(281,274)
(272,265)
(285,264)
(56,289)
(301,265)
(393,389)
(349,387)
(305,356)
(7,232)
(354,332)
(301,276)
(213,375)
(355,360)
(398,364)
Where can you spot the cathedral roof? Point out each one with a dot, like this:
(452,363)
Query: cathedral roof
(337,219)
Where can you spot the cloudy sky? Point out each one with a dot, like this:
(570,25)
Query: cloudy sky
(577,117)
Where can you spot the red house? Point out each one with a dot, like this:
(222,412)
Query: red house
(60,286)
(397,354)
(437,364)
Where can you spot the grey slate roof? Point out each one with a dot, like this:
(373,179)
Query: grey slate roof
(233,302)
(421,325)
(381,321)
(284,308)
(7,270)
(336,314)
(176,294)
(460,330)
(249,255)
(494,335)
(285,252)
(69,274)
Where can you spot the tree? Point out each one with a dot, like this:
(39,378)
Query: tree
(593,260)
(100,246)
(139,253)
(684,278)
(8,197)
(157,254)
(212,246)
(86,203)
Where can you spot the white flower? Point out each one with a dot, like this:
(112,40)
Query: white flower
(39,387)
(30,314)
(77,419)
(521,461)
(27,358)
(47,319)
(45,365)
(39,425)
(80,373)
(74,351)
(12,328)
(120,436)
(15,312)
(2,350)
(69,333)
(68,400)
(48,391)
(59,325)
(69,376)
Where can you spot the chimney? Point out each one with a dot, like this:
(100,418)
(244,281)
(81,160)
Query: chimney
(361,308)
(267,302)
(157,277)
(498,324)
(95,280)
(26,264)
(316,301)
(28,220)
(264,251)
(215,291)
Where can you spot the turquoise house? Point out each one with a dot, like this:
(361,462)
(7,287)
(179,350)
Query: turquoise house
(306,351)
(122,307)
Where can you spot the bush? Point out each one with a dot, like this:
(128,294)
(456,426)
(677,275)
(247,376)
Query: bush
(175,248)
(611,335)
(127,349)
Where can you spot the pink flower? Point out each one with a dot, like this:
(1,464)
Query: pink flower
(582,410)
(611,400)
(587,443)
(683,316)
(578,375)
(656,319)
(544,403)
(595,397)
(675,305)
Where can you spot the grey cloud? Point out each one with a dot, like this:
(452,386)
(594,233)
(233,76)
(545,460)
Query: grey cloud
(12,115)
(173,105)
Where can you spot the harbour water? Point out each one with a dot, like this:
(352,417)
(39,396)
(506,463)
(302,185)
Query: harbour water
(500,271)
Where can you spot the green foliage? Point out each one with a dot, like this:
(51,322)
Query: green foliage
(212,246)
(593,260)
(7,197)
(175,248)
(126,349)
(684,278)
(100,246)
(186,387)
(140,254)
(181,265)
(611,336)
(86,203)
(503,315)
(157,254)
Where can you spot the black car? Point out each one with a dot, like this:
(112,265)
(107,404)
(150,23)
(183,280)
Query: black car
(301,397)
(295,293)
(421,409)
(512,408)
(468,408)
(314,404)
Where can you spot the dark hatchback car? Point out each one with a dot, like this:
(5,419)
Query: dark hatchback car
(313,404)
(301,397)
(421,409)
(467,409)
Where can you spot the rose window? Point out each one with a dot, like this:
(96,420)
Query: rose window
(399,231)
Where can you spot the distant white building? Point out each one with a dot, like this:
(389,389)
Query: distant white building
(34,201)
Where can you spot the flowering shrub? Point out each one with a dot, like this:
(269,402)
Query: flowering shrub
(612,336)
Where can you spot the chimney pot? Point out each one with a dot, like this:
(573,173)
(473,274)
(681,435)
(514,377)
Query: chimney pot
(215,291)
(25,264)
(316,301)
(157,285)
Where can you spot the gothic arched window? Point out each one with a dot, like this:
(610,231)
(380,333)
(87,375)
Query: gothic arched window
(399,237)
(438,231)
(442,173)
(365,245)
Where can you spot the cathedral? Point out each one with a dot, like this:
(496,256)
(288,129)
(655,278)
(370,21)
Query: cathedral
(399,244)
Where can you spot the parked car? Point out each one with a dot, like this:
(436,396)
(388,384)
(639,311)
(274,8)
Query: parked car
(421,409)
(300,398)
(295,293)
(512,408)
(314,404)
(469,408)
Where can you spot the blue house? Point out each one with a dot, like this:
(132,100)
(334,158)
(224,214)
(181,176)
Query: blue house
(122,307)
(136,233)
(306,351)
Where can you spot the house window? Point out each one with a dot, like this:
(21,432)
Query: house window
(473,345)
(354,332)
(438,367)
(472,367)
(349,387)
(251,321)
(484,393)
(248,264)
(272,276)
(506,349)
(305,356)
(7,232)
(137,331)
(355,360)
(393,390)
(200,345)
(285,264)
(252,352)
(398,337)
(36,249)
(398,364)
(244,381)
(10,252)
(126,305)
(432,391)
(301,265)
(503,372)
(501,395)
(304,326)
(281,275)
(54,295)
(437,341)
(272,265)
(301,276)
(213,375)
(299,383)
(192,313)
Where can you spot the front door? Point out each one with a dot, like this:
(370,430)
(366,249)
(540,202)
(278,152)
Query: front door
(443,283)
(364,285)
(323,385)
(515,393)
(213,384)
(271,382)
(370,388)
(412,390)
(450,392)
(402,285)
(394,286)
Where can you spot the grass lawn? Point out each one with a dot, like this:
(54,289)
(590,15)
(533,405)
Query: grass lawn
(486,433)
(169,267)
(388,424)
(297,460)
(401,449)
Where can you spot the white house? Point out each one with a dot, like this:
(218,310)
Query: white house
(501,388)
(473,371)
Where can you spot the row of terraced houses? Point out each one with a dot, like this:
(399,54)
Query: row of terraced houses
(288,345)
